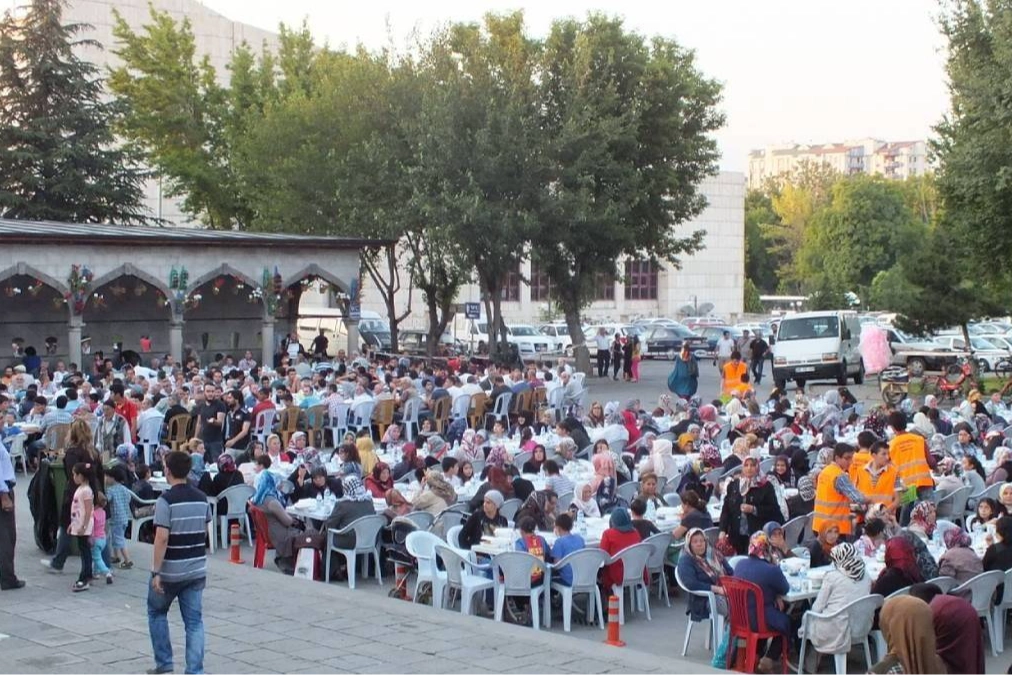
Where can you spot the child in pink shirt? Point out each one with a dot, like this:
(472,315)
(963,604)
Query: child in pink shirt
(82,523)
(98,538)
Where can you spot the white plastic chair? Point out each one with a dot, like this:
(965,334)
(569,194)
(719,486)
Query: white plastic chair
(460,576)
(338,421)
(148,437)
(766,465)
(453,536)
(672,499)
(793,529)
(409,419)
(861,614)
(361,416)
(367,530)
(634,562)
(1001,609)
(236,496)
(982,588)
(17,451)
(422,547)
(711,534)
(655,564)
(716,630)
(584,564)
(135,522)
(555,397)
(520,459)
(264,424)
(953,505)
(509,509)
(461,406)
(628,491)
(500,411)
(735,559)
(511,575)
(422,519)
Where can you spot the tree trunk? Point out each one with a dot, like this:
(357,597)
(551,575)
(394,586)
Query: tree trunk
(388,282)
(974,365)
(571,310)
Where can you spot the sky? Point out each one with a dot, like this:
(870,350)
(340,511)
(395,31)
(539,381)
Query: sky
(806,71)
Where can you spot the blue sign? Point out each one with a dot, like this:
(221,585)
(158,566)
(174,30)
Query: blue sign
(472,310)
(355,311)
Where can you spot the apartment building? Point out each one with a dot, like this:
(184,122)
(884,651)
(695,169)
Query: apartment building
(872,156)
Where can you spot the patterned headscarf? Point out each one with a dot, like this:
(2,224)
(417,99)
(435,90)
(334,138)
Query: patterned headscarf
(759,546)
(354,490)
(711,562)
(846,559)
(708,413)
(311,458)
(469,448)
(876,422)
(226,463)
(709,454)
(954,537)
(920,515)
(498,456)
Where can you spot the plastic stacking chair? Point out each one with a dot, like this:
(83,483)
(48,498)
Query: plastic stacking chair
(17,452)
(453,536)
(711,534)
(860,615)
(148,437)
(511,575)
(462,575)
(1001,609)
(236,496)
(944,583)
(740,594)
(716,630)
(793,529)
(628,491)
(634,563)
(672,499)
(953,505)
(981,589)
(135,521)
(422,547)
(509,509)
(659,544)
(367,531)
(422,519)
(520,459)
(585,564)
(263,536)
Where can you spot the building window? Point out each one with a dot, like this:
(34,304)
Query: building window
(541,285)
(640,280)
(604,286)
(511,291)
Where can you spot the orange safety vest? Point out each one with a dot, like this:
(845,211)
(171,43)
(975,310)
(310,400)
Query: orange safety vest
(907,452)
(882,491)
(732,375)
(861,458)
(831,507)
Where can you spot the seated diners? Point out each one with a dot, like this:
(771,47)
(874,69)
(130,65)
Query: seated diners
(537,460)
(495,479)
(818,550)
(779,548)
(958,635)
(758,569)
(584,502)
(998,555)
(959,560)
(694,515)
(847,581)
(379,481)
(436,494)
(556,481)
(909,629)
(619,535)
(565,543)
(540,507)
(484,521)
(648,490)
(700,567)
(750,503)
(354,503)
(638,509)
(900,570)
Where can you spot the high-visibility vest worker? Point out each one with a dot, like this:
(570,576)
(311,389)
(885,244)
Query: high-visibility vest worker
(831,506)
(880,491)
(908,453)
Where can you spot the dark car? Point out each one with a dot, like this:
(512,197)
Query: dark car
(666,341)
(713,333)
(416,343)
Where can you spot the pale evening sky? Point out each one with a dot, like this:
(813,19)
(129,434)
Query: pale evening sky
(793,70)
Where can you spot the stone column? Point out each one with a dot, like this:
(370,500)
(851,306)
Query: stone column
(353,341)
(176,338)
(267,339)
(74,341)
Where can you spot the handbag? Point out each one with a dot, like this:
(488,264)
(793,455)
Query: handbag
(720,653)
(725,547)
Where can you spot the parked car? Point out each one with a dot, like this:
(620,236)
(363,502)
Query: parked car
(662,341)
(649,322)
(986,353)
(558,332)
(763,328)
(416,343)
(711,334)
(528,340)
(694,322)
(916,355)
(624,330)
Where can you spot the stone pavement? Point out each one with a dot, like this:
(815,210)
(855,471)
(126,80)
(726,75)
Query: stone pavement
(259,621)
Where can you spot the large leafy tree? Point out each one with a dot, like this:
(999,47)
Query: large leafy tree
(59,159)
(626,127)
(760,262)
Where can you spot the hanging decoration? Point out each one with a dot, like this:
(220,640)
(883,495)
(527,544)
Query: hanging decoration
(78,281)
(118,291)
(98,301)
(271,289)
(35,288)
(140,289)
(219,284)
(160,299)
(193,301)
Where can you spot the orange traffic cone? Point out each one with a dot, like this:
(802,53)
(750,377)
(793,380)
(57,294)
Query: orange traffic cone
(401,573)
(613,626)
(235,537)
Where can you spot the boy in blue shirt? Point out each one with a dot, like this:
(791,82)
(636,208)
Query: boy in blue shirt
(566,543)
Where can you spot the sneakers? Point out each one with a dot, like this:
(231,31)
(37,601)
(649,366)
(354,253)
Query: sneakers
(80,586)
(48,564)
(158,671)
(126,565)
(108,578)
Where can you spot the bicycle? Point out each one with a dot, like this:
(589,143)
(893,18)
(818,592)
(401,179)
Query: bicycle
(894,383)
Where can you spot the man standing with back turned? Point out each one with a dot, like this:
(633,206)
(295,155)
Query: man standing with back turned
(179,567)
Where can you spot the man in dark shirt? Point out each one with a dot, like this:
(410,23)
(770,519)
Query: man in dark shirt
(572,428)
(211,423)
(237,424)
(320,344)
(760,349)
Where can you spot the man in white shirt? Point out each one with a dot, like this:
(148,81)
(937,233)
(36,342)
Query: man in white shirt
(725,347)
(603,344)
(471,387)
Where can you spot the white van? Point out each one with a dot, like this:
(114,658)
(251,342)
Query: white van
(818,346)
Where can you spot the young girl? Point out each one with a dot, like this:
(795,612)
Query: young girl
(82,523)
(466,472)
(98,539)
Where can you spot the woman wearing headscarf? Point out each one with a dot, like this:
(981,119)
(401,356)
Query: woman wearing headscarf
(437,494)
(959,560)
(379,481)
(739,452)
(781,472)
(584,502)
(958,636)
(900,570)
(297,444)
(470,449)
(483,521)
(604,482)
(908,627)
(265,484)
(779,548)
(227,477)
(540,506)
(758,569)
(700,567)
(750,502)
(495,479)
(354,503)
(318,485)
(366,453)
(281,527)
(660,462)
(620,535)
(948,481)
(1005,497)
(629,421)
(923,426)
(410,461)
(498,457)
(845,582)
(392,437)
(820,549)
(711,422)
(397,505)
(829,417)
(533,465)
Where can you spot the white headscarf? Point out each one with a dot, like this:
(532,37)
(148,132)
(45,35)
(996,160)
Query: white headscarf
(589,507)
(660,456)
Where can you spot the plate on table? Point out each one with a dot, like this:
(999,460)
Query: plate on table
(305,504)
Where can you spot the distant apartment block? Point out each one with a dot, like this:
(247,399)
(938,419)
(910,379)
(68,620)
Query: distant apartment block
(871,156)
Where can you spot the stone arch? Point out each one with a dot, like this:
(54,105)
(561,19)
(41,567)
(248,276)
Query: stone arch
(315,270)
(222,270)
(25,269)
(129,269)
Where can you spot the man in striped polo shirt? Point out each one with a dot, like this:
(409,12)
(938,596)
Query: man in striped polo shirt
(179,567)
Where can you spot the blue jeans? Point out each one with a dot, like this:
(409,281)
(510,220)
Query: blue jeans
(190,594)
(98,564)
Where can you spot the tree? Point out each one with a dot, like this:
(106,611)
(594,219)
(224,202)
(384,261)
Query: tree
(760,263)
(59,159)
(626,128)
(973,146)
(865,229)
(752,302)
